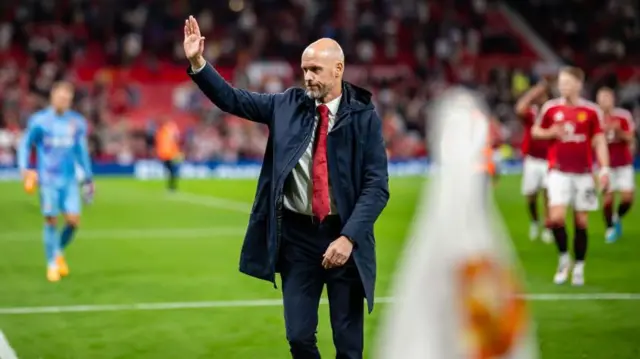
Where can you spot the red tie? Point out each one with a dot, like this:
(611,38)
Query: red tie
(320,172)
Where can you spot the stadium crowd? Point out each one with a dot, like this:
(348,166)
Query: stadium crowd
(438,41)
(590,32)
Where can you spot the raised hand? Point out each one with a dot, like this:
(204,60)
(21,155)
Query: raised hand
(193,43)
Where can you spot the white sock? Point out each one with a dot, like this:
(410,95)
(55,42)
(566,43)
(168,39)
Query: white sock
(579,266)
(564,258)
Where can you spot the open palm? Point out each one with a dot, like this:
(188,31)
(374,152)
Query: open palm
(193,41)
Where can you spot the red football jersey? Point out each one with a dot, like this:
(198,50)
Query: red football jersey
(581,122)
(531,146)
(619,151)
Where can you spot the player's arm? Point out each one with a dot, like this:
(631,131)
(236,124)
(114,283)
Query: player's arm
(626,132)
(602,149)
(525,101)
(81,149)
(29,138)
(542,128)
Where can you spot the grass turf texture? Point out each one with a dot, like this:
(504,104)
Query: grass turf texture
(138,244)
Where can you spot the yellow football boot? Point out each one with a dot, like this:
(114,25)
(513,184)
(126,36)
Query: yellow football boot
(53,275)
(63,268)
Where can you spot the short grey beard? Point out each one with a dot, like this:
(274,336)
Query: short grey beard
(316,95)
(312,95)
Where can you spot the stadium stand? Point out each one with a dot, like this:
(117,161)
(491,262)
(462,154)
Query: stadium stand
(588,33)
(128,63)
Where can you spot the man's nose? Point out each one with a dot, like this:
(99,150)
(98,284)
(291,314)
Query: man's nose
(308,77)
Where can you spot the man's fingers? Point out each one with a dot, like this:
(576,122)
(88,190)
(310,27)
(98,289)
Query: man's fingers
(194,26)
(197,27)
(329,255)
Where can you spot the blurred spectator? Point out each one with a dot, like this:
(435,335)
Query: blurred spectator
(438,43)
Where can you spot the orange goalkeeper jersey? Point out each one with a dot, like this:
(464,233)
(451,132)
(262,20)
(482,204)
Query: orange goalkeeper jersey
(167,147)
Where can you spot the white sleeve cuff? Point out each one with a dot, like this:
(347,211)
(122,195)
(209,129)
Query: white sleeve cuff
(195,71)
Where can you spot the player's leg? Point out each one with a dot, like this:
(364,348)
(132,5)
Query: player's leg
(530,188)
(607,213)
(559,190)
(580,242)
(173,180)
(547,234)
(532,207)
(71,207)
(49,204)
(608,200)
(585,201)
(170,166)
(626,188)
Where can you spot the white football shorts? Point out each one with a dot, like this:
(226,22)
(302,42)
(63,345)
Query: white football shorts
(577,190)
(622,179)
(534,175)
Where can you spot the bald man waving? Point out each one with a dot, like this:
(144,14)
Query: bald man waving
(323,184)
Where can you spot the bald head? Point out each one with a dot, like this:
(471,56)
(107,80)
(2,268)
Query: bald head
(323,65)
(325,48)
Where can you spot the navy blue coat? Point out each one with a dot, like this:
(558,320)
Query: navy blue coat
(357,163)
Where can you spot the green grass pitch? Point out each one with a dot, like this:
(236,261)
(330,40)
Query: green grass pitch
(139,245)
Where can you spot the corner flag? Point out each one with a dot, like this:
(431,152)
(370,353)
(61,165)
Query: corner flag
(457,294)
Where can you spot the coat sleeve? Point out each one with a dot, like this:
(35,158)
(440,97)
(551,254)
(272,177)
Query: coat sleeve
(375,190)
(256,107)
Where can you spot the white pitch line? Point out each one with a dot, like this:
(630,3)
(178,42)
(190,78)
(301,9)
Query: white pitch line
(214,202)
(275,303)
(133,233)
(6,352)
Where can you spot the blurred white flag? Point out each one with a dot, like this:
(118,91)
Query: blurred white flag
(457,293)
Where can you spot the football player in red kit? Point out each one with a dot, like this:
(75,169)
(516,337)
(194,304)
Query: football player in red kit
(535,165)
(620,134)
(574,125)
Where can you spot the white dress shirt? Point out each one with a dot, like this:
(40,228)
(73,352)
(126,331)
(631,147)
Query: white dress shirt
(298,189)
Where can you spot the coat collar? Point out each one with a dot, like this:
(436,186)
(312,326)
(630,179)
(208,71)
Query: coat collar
(353,99)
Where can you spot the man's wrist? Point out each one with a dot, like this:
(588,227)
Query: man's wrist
(349,239)
(604,171)
(198,64)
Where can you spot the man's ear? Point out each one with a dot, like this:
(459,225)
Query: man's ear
(337,71)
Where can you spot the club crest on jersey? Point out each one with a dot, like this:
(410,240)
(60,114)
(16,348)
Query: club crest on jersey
(559,116)
(582,116)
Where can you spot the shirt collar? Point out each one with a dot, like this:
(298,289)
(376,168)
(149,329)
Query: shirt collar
(332,105)
(53,111)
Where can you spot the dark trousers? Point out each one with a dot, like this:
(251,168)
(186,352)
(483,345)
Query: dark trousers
(172,170)
(304,241)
